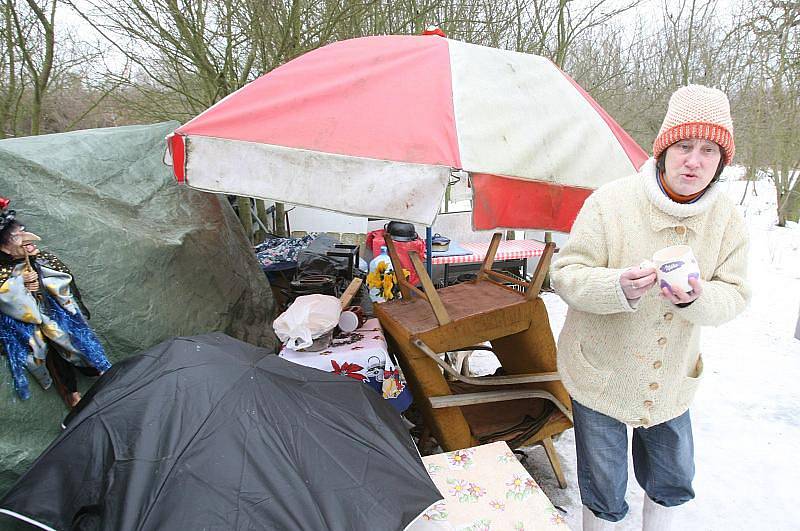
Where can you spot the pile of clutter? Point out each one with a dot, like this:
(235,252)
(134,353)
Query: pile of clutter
(310,322)
(320,331)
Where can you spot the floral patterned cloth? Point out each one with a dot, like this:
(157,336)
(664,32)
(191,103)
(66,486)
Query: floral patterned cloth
(277,250)
(486,488)
(361,355)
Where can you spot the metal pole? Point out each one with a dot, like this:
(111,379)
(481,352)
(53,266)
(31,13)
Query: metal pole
(428,251)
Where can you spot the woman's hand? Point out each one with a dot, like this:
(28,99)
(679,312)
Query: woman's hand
(636,281)
(678,296)
(31,279)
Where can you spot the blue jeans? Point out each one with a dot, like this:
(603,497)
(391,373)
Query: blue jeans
(663,461)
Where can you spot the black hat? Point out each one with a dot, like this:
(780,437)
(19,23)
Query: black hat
(401,231)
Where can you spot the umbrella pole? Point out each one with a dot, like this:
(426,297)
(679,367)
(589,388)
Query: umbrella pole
(428,254)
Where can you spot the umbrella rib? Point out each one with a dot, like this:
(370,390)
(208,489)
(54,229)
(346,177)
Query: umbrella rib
(241,477)
(143,385)
(233,387)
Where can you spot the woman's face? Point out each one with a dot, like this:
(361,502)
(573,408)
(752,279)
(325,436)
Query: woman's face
(19,242)
(690,165)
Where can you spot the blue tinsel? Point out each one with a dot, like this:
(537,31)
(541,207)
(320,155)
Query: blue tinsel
(82,336)
(15,336)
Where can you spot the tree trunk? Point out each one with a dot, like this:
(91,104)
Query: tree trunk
(779,200)
(261,213)
(791,206)
(797,328)
(41,77)
(786,193)
(246,216)
(280,220)
(746,186)
(36,113)
(10,80)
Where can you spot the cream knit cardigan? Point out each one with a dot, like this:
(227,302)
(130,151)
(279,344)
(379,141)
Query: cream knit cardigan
(639,361)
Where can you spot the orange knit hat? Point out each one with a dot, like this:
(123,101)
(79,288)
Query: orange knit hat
(696,111)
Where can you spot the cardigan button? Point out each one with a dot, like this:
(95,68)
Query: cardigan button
(680,229)
(662,341)
(668,316)
(648,403)
(657,364)
(653,386)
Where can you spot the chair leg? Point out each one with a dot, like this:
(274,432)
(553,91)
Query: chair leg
(552,456)
(424,438)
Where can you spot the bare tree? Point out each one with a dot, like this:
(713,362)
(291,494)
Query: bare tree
(36,60)
(182,56)
(775,28)
(36,44)
(11,84)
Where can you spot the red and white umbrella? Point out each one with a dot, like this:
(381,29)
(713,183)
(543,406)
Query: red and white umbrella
(375,126)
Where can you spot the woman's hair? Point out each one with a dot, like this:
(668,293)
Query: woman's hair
(7,229)
(661,166)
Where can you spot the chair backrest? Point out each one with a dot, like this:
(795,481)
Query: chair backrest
(523,343)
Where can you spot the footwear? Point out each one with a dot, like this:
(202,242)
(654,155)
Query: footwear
(72,399)
(593,523)
(656,517)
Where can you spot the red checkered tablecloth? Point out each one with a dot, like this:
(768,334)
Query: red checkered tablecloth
(508,250)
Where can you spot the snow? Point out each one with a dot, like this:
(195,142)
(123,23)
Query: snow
(746,414)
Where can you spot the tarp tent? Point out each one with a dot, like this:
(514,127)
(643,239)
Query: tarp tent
(152,259)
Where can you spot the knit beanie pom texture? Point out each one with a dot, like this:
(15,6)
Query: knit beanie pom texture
(701,112)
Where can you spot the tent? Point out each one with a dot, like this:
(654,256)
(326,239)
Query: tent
(152,259)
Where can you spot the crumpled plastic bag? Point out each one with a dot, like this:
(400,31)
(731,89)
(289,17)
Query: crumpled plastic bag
(309,317)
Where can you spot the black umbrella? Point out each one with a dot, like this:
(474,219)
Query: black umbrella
(209,433)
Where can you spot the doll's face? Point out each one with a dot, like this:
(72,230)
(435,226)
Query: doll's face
(20,242)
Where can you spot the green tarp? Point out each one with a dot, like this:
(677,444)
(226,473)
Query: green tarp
(153,259)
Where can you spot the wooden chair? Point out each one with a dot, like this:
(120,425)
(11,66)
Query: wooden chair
(528,404)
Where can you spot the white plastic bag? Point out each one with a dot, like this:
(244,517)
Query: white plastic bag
(307,318)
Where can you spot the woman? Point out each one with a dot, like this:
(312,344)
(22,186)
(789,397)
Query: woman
(629,351)
(42,327)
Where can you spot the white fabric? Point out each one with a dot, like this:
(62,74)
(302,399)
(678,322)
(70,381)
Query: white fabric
(593,523)
(421,524)
(670,207)
(656,517)
(486,487)
(352,185)
(367,358)
(518,115)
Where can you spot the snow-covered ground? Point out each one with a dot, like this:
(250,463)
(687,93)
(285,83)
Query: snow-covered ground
(746,415)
